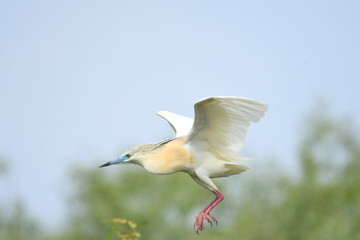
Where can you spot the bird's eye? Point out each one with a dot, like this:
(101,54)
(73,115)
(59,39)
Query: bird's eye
(127,156)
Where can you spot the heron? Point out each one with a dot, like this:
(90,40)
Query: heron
(205,147)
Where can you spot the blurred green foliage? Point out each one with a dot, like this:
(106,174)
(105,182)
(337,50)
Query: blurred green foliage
(123,229)
(321,202)
(15,222)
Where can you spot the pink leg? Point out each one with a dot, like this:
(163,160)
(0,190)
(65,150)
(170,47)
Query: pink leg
(205,213)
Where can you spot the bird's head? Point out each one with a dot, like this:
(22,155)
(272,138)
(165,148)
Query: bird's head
(135,155)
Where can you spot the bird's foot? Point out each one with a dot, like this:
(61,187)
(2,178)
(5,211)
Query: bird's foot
(199,221)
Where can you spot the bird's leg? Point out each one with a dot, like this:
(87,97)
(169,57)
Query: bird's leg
(205,213)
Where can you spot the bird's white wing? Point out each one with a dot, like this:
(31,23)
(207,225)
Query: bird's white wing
(221,124)
(181,124)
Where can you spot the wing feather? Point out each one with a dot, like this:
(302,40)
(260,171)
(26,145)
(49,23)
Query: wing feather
(221,124)
(180,124)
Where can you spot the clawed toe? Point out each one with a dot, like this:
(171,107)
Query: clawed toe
(213,218)
(199,221)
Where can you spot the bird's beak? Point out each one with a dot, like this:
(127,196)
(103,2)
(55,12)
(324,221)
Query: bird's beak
(106,164)
(115,161)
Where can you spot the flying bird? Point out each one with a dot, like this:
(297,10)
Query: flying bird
(204,148)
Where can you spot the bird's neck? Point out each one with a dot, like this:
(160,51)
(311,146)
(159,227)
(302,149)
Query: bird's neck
(169,158)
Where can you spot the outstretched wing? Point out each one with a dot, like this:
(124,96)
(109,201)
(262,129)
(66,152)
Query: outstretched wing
(221,124)
(181,124)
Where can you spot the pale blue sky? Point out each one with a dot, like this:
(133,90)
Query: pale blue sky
(80,81)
